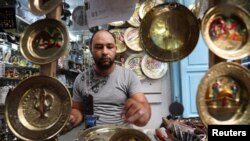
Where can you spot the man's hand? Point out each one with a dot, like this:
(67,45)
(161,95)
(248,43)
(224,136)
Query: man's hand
(137,110)
(75,117)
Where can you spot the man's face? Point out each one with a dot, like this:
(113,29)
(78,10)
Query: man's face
(103,49)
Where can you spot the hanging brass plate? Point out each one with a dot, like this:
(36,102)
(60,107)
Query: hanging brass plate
(44,41)
(133,62)
(169,32)
(42,7)
(38,108)
(223,96)
(132,40)
(226,29)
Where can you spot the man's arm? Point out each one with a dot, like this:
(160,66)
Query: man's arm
(137,110)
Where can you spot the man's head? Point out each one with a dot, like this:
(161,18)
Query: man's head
(103,49)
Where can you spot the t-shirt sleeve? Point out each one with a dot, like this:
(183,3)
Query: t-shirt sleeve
(77,89)
(135,85)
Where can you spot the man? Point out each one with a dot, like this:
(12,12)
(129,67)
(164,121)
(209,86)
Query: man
(118,97)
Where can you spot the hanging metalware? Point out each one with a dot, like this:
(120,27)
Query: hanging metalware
(38,108)
(169,32)
(225,29)
(223,96)
(44,41)
(42,7)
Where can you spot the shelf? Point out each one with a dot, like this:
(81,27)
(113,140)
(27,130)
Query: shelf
(20,67)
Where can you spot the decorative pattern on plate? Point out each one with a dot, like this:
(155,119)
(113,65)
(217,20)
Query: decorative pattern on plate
(38,108)
(120,44)
(42,7)
(167,37)
(153,68)
(134,62)
(79,15)
(223,95)
(44,41)
(132,40)
(225,30)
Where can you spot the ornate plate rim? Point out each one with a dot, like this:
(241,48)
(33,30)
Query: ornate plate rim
(129,131)
(32,29)
(12,111)
(222,69)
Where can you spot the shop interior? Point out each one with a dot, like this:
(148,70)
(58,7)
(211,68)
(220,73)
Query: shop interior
(193,79)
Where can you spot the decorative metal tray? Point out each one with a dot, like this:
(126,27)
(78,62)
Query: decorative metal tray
(167,37)
(224,95)
(38,108)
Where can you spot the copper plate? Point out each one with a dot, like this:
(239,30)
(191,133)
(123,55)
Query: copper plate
(224,95)
(226,29)
(132,40)
(42,7)
(167,37)
(44,41)
(129,135)
(99,133)
(133,62)
(38,108)
(120,43)
(152,68)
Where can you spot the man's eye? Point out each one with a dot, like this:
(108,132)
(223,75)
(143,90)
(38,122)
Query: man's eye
(110,46)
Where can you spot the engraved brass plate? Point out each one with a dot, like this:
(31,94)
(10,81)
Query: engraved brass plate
(224,95)
(44,41)
(130,135)
(99,133)
(169,32)
(226,29)
(133,62)
(38,108)
(42,7)
(132,40)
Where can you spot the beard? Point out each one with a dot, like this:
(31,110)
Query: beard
(104,64)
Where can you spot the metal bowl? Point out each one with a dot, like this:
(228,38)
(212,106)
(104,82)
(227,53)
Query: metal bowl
(130,135)
(223,96)
(169,32)
(38,108)
(44,41)
(225,29)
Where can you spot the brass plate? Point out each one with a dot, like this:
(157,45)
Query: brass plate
(133,62)
(167,37)
(44,41)
(99,133)
(135,18)
(120,43)
(152,68)
(226,29)
(42,7)
(145,7)
(79,15)
(224,95)
(130,135)
(132,40)
(38,108)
